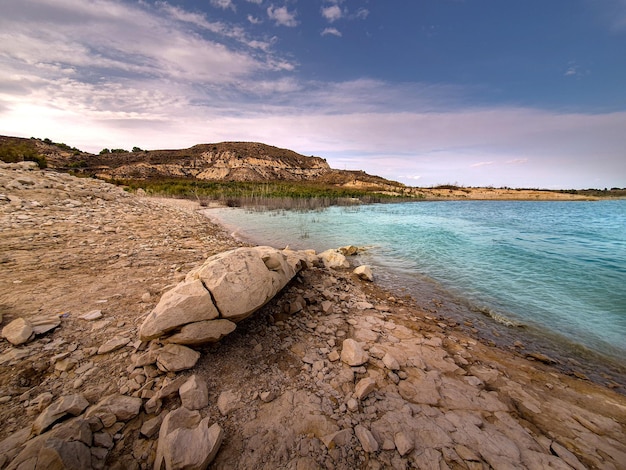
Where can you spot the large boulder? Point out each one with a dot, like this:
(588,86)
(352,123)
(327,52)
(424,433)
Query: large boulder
(243,280)
(227,288)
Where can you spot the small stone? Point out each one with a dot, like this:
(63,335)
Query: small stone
(403,443)
(391,362)
(93,315)
(364,273)
(146,297)
(267,397)
(366,439)
(352,353)
(353,405)
(364,387)
(113,345)
(19,331)
(194,393)
(174,358)
(333,356)
(150,427)
(227,402)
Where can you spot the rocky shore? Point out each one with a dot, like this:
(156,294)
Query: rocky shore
(333,372)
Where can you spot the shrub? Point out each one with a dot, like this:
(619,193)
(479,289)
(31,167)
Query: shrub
(20,152)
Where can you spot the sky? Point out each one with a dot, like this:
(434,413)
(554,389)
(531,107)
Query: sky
(471,92)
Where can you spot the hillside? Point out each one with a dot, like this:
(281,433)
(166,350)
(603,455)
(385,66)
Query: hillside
(249,162)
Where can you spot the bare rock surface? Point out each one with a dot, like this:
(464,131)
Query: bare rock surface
(429,394)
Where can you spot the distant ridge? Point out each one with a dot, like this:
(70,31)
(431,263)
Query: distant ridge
(224,161)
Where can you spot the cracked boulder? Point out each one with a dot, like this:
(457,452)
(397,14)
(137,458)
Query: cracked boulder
(224,290)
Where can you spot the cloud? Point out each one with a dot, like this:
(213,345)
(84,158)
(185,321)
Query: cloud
(254,20)
(362,13)
(479,164)
(331,31)
(111,74)
(282,16)
(257,2)
(332,13)
(223,4)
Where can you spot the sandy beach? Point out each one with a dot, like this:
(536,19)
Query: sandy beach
(428,394)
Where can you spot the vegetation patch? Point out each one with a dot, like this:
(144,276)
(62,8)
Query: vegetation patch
(270,195)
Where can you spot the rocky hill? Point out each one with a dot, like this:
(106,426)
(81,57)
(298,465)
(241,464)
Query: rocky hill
(225,161)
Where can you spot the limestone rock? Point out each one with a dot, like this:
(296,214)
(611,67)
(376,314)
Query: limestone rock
(174,358)
(243,280)
(69,404)
(366,438)
(333,259)
(113,345)
(349,250)
(364,272)
(188,302)
(186,441)
(339,438)
(203,332)
(19,331)
(92,315)
(122,407)
(364,387)
(150,427)
(194,393)
(228,401)
(352,353)
(43,324)
(404,443)
(391,362)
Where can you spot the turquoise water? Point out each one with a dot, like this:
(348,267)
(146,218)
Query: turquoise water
(553,267)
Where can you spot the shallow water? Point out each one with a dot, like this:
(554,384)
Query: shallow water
(557,268)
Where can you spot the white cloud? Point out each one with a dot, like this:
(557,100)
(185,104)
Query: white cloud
(282,16)
(479,164)
(332,13)
(362,13)
(257,2)
(223,4)
(254,20)
(331,31)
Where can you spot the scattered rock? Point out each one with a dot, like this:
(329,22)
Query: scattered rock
(186,441)
(404,443)
(228,401)
(364,387)
(66,405)
(113,345)
(175,357)
(364,273)
(19,331)
(332,259)
(92,315)
(366,439)
(352,353)
(194,393)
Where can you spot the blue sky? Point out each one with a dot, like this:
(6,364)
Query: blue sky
(426,92)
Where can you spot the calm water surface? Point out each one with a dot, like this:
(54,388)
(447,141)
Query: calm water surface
(557,268)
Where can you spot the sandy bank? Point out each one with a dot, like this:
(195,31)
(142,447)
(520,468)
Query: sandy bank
(428,395)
